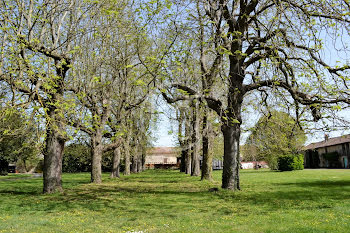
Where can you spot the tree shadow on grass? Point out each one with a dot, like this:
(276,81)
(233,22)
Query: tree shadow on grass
(298,195)
(142,197)
(323,184)
(253,171)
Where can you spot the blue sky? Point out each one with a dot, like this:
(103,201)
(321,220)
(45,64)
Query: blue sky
(165,125)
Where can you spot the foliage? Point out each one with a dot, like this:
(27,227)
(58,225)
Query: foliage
(275,135)
(249,153)
(77,158)
(218,146)
(168,201)
(291,162)
(19,141)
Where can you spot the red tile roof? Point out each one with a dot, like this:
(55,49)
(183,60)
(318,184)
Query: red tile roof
(162,150)
(329,142)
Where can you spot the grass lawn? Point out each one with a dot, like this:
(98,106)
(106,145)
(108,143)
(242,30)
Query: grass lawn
(168,201)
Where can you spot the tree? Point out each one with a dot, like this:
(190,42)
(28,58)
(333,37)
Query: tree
(270,47)
(275,135)
(182,119)
(19,139)
(38,43)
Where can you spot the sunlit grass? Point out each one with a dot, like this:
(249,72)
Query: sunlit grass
(168,201)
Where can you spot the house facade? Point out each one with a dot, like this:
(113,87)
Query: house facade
(162,157)
(330,153)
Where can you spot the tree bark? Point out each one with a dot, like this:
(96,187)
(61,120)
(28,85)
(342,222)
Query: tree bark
(134,160)
(143,159)
(181,117)
(134,164)
(53,155)
(231,129)
(207,165)
(230,176)
(195,140)
(188,159)
(96,157)
(116,163)
(139,164)
(55,141)
(183,159)
(127,158)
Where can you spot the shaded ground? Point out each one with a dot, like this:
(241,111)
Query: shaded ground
(167,201)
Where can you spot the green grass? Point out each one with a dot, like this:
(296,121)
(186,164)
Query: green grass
(167,201)
(14,176)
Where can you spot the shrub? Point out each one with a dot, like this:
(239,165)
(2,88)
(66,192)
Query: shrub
(298,162)
(291,162)
(76,158)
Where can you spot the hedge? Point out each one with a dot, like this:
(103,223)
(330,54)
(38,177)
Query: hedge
(291,162)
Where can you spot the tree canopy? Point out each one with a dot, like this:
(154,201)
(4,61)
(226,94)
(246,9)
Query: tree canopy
(90,66)
(275,135)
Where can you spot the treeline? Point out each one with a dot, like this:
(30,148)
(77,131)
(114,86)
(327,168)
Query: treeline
(81,68)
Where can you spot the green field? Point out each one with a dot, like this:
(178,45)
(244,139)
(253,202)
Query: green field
(168,201)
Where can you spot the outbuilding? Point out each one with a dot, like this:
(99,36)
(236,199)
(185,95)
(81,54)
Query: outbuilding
(330,153)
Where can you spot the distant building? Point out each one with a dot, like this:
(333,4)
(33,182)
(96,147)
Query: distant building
(330,153)
(254,164)
(162,157)
(217,164)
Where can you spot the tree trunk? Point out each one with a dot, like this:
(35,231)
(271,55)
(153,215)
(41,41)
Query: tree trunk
(230,176)
(116,163)
(183,159)
(195,140)
(139,164)
(53,154)
(207,165)
(181,117)
(96,157)
(134,164)
(188,159)
(127,158)
(143,159)
(134,160)
(231,130)
(55,141)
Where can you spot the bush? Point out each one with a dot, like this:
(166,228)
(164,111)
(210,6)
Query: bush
(76,158)
(291,162)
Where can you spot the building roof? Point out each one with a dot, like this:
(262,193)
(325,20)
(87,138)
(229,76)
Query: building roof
(329,142)
(162,150)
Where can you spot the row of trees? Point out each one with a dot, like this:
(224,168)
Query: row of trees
(89,67)
(233,51)
(81,67)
